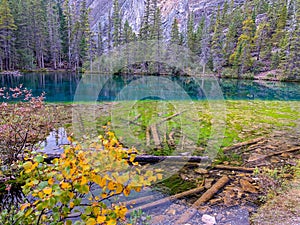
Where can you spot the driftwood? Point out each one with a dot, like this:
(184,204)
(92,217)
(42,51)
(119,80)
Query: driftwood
(167,199)
(237,168)
(155,136)
(204,198)
(243,144)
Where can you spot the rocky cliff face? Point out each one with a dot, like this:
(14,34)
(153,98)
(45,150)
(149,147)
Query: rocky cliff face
(133,10)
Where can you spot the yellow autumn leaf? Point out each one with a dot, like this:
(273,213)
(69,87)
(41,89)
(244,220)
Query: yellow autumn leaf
(41,194)
(71,195)
(47,190)
(159,176)
(51,181)
(138,189)
(101,219)
(97,179)
(126,191)
(111,186)
(119,188)
(103,182)
(111,222)
(96,211)
(103,195)
(72,205)
(91,221)
(132,157)
(24,206)
(84,180)
(65,185)
(27,165)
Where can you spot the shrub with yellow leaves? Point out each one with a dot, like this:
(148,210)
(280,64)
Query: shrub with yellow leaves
(84,183)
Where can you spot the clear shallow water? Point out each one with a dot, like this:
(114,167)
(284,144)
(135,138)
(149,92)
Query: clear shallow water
(61,87)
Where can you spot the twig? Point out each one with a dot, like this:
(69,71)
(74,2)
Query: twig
(284,151)
(223,167)
(242,144)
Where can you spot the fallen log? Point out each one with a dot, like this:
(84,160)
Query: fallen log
(170,117)
(237,168)
(204,198)
(140,200)
(151,158)
(243,144)
(156,159)
(167,199)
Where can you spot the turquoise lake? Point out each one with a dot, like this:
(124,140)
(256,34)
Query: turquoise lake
(62,87)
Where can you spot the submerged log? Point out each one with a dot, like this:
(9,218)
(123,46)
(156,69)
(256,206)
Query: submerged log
(155,136)
(167,199)
(204,198)
(170,117)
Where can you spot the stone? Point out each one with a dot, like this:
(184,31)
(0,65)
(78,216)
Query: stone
(208,220)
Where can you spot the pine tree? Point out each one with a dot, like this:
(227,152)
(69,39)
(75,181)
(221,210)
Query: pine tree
(175,35)
(7,26)
(85,34)
(100,46)
(198,36)
(63,33)
(109,28)
(291,65)
(190,32)
(261,40)
(116,23)
(128,34)
(54,34)
(38,27)
(281,20)
(156,31)
(146,26)
(241,58)
(217,45)
(205,50)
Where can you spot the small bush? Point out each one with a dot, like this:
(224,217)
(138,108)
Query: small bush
(229,73)
(24,120)
(81,182)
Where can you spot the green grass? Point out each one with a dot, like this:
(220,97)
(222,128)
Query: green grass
(199,123)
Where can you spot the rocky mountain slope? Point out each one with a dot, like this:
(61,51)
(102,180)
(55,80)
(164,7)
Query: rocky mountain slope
(132,10)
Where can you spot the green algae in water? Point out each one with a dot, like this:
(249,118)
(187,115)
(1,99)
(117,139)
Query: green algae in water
(174,185)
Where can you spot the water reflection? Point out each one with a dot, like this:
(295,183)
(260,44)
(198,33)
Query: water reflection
(61,87)
(55,141)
